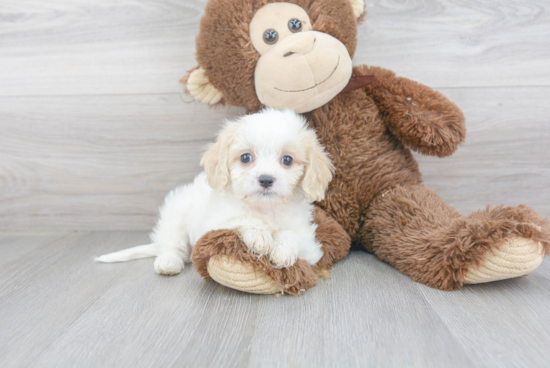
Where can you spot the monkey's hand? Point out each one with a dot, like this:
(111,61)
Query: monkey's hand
(421,118)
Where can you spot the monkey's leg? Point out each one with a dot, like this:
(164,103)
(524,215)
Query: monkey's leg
(413,229)
(221,255)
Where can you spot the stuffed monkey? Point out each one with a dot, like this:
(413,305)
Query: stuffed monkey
(297,54)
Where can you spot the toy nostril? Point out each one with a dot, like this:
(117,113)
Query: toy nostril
(266,181)
(288,54)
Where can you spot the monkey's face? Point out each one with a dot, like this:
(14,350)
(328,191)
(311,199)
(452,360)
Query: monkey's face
(283,54)
(298,68)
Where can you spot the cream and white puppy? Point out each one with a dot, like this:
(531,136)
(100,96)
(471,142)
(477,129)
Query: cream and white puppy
(260,178)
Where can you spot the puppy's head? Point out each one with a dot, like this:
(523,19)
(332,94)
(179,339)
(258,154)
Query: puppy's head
(268,157)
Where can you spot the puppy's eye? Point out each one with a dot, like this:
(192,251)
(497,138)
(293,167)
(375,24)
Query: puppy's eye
(294,25)
(271,36)
(246,158)
(287,160)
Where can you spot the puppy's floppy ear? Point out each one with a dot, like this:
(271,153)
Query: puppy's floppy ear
(319,168)
(198,85)
(216,158)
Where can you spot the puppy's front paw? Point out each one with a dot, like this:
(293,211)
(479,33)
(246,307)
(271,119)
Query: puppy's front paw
(283,256)
(259,241)
(168,264)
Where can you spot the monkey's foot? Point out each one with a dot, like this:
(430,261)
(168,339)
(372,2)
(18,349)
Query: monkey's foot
(222,256)
(240,276)
(513,257)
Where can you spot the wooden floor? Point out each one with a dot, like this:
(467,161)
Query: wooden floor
(60,309)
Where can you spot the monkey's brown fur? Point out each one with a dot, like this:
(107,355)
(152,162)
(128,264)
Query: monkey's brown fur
(376,195)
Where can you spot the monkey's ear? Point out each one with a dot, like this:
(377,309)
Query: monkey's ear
(200,87)
(358,7)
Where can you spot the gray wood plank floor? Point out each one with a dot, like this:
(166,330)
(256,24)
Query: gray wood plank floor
(60,309)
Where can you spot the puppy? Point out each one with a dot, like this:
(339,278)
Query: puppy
(260,178)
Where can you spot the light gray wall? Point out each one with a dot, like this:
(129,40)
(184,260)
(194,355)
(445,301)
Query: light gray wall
(94,129)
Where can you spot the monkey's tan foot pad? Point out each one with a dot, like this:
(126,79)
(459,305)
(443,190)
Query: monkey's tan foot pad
(514,257)
(240,276)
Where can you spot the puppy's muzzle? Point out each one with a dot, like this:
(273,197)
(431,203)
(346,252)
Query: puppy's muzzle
(266,181)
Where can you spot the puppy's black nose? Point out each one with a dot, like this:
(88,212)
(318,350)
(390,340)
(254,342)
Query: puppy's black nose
(266,181)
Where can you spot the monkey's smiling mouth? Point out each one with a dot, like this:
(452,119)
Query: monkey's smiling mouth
(307,89)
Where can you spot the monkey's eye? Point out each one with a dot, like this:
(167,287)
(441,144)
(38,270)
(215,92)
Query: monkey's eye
(271,36)
(287,160)
(246,158)
(294,25)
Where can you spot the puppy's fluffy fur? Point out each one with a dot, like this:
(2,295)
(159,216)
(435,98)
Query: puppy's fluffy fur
(268,199)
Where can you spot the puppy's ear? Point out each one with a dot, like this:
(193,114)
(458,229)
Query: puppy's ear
(216,158)
(198,85)
(319,169)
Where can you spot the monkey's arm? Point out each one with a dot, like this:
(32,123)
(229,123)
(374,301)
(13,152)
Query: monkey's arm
(421,118)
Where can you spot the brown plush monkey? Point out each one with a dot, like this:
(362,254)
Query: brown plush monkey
(297,54)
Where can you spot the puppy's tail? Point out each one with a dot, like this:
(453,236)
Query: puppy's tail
(141,251)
